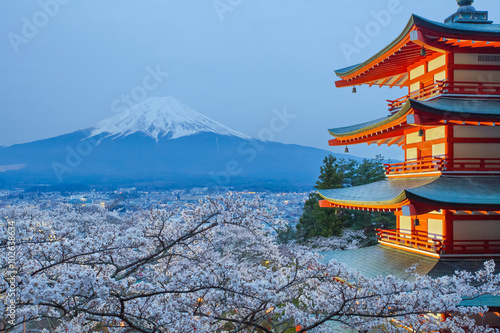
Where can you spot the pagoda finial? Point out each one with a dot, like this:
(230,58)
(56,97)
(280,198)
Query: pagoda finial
(466,13)
(465,2)
(466,6)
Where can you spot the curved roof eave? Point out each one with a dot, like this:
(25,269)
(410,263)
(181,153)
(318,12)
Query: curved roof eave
(489,32)
(387,192)
(399,199)
(352,69)
(452,108)
(356,129)
(458,192)
(463,109)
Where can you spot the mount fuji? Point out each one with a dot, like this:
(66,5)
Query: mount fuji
(161,118)
(160,142)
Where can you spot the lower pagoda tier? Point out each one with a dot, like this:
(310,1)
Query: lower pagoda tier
(441,217)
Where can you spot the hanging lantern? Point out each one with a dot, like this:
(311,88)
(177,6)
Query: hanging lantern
(346,150)
(416,223)
(354,90)
(421,132)
(423,52)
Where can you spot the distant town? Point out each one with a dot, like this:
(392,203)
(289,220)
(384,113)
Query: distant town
(289,204)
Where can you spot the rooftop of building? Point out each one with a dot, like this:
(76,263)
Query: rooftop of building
(380,260)
(465,29)
(476,108)
(450,192)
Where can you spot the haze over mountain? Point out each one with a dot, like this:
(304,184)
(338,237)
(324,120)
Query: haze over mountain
(160,142)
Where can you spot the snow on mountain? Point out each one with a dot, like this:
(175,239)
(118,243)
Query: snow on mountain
(161,117)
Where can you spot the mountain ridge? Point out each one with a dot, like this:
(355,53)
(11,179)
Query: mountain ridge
(160,117)
(161,143)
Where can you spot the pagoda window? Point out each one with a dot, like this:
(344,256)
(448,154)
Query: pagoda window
(411,154)
(435,133)
(441,76)
(437,63)
(415,74)
(405,224)
(476,59)
(439,150)
(435,229)
(484,76)
(413,138)
(476,230)
(476,132)
(476,150)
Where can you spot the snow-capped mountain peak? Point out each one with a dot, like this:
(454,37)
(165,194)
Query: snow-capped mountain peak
(161,117)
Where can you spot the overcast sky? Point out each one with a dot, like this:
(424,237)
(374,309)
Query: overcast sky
(233,60)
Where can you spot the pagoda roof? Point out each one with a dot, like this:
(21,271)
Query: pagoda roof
(378,260)
(447,192)
(389,66)
(477,109)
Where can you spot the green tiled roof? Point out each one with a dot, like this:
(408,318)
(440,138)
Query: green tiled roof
(380,260)
(354,129)
(489,32)
(461,192)
(388,191)
(452,108)
(461,107)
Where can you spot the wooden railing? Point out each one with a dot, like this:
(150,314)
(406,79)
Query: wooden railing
(446,87)
(475,88)
(471,247)
(424,93)
(417,166)
(444,165)
(420,241)
(472,164)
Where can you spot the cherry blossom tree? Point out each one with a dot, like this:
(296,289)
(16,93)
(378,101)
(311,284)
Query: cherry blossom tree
(213,267)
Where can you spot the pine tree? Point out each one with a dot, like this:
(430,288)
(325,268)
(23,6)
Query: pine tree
(318,222)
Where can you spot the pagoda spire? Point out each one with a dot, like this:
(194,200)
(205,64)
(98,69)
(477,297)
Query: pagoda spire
(466,13)
(463,3)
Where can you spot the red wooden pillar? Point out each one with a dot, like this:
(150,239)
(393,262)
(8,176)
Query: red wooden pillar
(448,230)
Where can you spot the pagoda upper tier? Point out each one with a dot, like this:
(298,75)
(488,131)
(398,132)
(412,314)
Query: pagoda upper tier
(424,41)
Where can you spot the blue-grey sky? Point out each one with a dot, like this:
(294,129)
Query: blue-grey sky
(66,63)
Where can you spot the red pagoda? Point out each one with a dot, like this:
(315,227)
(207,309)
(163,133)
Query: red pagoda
(446,195)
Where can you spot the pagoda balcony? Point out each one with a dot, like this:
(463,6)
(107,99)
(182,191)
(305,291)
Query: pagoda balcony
(421,242)
(438,165)
(447,88)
